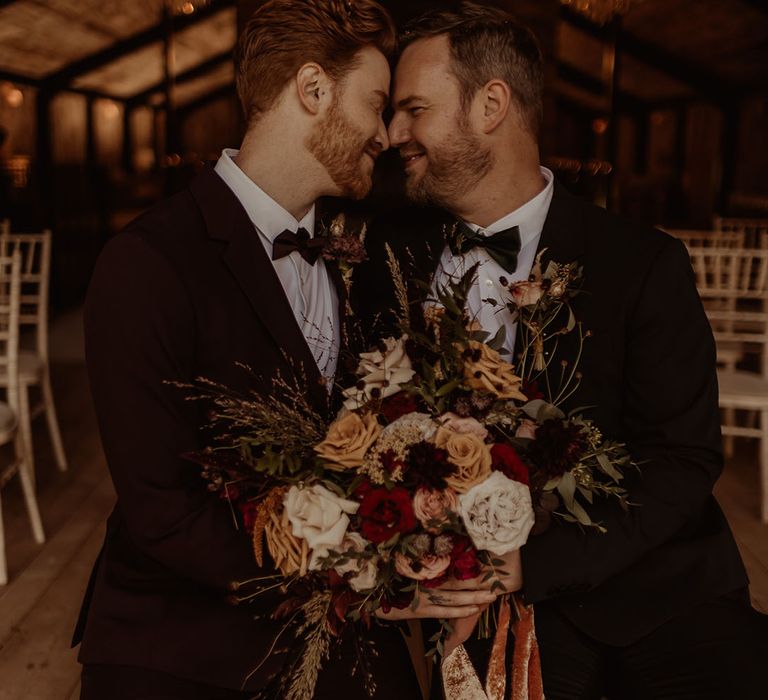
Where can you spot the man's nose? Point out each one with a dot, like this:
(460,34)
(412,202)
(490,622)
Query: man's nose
(382,137)
(399,133)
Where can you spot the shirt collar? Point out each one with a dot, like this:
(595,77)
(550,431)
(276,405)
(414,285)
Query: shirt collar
(530,217)
(265,213)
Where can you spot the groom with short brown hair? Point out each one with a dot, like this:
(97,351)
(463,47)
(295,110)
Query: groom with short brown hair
(658,607)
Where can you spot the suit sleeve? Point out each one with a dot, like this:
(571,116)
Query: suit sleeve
(672,429)
(140,333)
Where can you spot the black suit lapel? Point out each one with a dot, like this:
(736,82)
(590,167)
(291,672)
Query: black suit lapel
(249,264)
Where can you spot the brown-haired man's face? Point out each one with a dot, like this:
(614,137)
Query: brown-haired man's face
(352,134)
(442,155)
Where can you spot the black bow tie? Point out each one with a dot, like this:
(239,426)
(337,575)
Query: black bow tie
(288,241)
(503,246)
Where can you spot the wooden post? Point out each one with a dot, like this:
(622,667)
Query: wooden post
(44,156)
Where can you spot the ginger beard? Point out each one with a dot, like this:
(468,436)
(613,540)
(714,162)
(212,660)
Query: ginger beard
(339,146)
(454,167)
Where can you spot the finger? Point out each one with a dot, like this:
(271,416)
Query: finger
(428,612)
(472,584)
(448,612)
(454,598)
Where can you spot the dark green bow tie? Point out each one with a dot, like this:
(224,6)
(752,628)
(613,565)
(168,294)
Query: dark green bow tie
(503,246)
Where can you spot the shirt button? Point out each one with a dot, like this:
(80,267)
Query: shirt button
(488,283)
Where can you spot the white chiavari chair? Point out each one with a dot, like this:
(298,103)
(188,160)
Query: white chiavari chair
(10,292)
(741,275)
(755,231)
(34,365)
(728,354)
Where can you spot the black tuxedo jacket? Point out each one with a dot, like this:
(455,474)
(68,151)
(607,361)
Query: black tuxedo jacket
(649,373)
(186,290)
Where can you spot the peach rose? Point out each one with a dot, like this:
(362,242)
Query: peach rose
(428,567)
(433,507)
(463,425)
(485,371)
(469,454)
(348,439)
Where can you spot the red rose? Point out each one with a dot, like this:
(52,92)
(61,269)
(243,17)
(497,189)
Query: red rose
(531,390)
(464,561)
(508,462)
(384,513)
(397,406)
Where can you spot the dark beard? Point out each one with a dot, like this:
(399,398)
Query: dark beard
(455,167)
(339,146)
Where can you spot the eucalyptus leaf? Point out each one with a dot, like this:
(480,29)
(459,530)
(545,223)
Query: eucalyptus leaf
(567,489)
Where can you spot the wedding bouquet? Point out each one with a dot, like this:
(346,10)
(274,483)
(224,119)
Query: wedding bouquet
(443,459)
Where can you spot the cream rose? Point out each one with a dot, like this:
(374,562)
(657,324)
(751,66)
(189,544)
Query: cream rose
(484,370)
(498,514)
(463,425)
(433,507)
(348,439)
(383,370)
(526,293)
(365,571)
(469,454)
(318,516)
(428,567)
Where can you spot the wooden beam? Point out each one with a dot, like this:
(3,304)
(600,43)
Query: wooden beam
(60,79)
(20,79)
(705,83)
(197,71)
(588,82)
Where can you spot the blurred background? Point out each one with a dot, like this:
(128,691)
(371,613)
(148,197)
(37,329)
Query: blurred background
(654,108)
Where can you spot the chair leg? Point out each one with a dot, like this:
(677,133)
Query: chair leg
(729,418)
(764,466)
(28,487)
(53,424)
(3,565)
(25,431)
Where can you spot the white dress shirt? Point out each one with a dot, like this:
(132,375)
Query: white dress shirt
(308,288)
(530,219)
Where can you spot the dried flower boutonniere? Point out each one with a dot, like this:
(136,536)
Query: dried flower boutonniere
(346,249)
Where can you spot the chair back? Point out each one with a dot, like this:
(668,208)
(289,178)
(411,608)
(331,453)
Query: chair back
(34,250)
(709,239)
(733,285)
(10,299)
(755,231)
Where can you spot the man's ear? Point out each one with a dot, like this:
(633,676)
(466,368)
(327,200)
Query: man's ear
(496,102)
(313,87)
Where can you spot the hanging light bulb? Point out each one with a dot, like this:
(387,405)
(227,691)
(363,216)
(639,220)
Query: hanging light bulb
(600,11)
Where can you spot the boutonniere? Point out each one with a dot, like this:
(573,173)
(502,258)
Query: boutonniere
(345,248)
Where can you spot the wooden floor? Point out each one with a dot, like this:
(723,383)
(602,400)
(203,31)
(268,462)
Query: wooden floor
(39,606)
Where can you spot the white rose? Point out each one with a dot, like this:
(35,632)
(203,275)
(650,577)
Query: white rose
(384,369)
(318,516)
(365,570)
(498,514)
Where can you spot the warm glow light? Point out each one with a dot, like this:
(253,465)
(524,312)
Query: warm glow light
(600,126)
(600,11)
(14,98)
(187,8)
(109,109)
